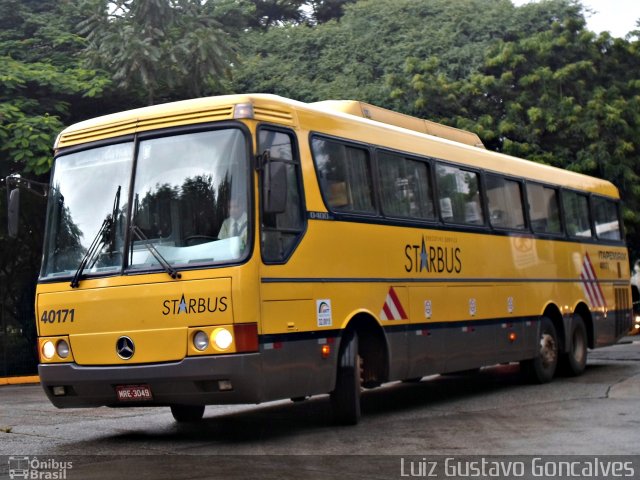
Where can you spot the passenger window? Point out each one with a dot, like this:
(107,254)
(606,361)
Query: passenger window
(344,173)
(505,202)
(576,214)
(605,215)
(406,187)
(544,211)
(459,195)
(282,231)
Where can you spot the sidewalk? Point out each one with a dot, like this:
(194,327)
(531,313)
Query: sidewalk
(19,380)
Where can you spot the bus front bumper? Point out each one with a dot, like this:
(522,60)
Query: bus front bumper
(192,381)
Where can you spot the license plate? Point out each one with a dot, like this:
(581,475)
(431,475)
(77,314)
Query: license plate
(133,393)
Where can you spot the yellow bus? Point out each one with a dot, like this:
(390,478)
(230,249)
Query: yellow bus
(246,248)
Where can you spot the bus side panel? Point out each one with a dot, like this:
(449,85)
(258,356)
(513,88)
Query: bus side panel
(292,359)
(612,324)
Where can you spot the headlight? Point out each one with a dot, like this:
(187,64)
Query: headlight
(222,338)
(48,350)
(62,347)
(200,340)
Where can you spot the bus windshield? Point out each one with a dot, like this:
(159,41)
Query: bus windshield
(189,203)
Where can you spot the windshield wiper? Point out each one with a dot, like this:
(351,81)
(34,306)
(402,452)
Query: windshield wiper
(105,235)
(139,234)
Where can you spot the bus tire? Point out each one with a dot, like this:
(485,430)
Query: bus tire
(574,361)
(187,413)
(542,367)
(345,398)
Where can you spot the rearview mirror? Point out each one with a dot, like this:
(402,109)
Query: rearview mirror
(275,187)
(13,212)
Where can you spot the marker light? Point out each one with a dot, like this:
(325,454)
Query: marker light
(62,347)
(512,336)
(200,340)
(222,338)
(48,350)
(243,110)
(325,351)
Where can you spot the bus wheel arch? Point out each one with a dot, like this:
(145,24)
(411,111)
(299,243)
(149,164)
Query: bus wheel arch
(373,349)
(583,311)
(553,313)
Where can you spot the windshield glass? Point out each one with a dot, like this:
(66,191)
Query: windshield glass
(189,202)
(86,188)
(191,198)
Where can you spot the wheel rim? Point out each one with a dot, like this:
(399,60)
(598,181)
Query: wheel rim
(548,350)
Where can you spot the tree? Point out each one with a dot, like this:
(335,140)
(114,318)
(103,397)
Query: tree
(163,49)
(38,81)
(41,82)
(557,94)
(353,58)
(326,10)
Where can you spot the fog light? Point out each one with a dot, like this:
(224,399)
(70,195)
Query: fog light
(200,340)
(62,347)
(58,391)
(48,350)
(222,338)
(224,385)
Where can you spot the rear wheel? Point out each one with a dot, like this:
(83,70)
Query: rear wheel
(542,367)
(574,361)
(345,398)
(187,413)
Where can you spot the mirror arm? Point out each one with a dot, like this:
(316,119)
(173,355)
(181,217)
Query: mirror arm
(30,185)
(262,160)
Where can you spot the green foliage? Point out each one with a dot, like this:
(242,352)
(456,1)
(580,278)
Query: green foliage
(162,49)
(39,78)
(554,93)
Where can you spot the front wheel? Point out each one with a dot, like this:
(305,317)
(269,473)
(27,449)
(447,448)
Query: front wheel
(574,361)
(345,398)
(187,413)
(542,367)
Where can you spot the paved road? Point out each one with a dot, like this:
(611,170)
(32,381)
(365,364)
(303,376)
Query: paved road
(492,413)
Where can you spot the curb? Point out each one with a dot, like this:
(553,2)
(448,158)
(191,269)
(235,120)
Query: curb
(19,380)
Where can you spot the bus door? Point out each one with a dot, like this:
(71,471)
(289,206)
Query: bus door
(289,341)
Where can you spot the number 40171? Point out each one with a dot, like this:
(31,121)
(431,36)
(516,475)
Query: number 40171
(58,316)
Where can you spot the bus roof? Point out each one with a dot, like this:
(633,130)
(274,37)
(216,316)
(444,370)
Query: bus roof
(342,118)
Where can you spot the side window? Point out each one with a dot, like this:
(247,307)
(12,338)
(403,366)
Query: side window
(406,187)
(576,214)
(459,195)
(544,209)
(344,172)
(605,216)
(282,231)
(505,202)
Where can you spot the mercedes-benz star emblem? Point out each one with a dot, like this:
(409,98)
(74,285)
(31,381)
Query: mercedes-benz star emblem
(125,348)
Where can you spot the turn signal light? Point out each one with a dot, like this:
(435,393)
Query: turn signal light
(246,337)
